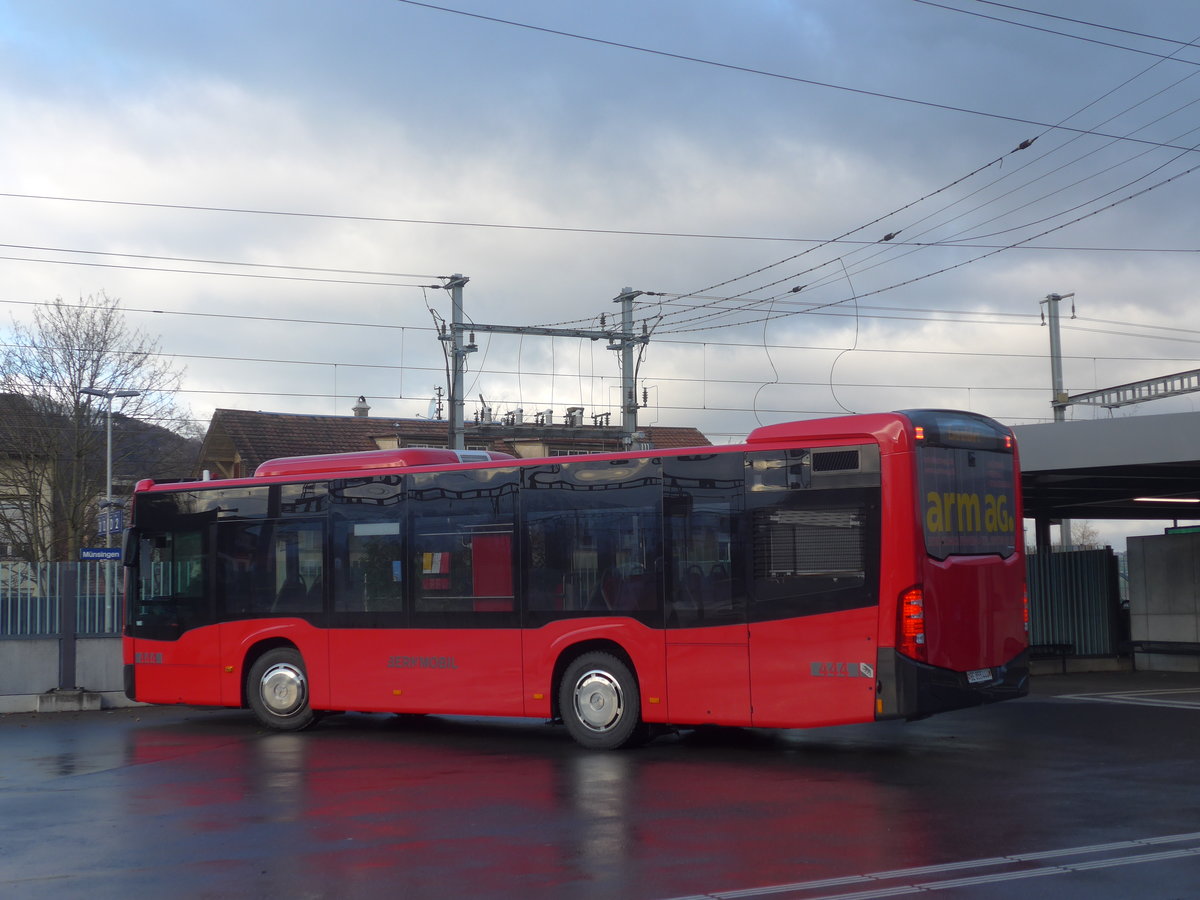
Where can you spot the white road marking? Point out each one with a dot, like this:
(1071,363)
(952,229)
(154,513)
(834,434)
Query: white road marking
(911,885)
(1142,698)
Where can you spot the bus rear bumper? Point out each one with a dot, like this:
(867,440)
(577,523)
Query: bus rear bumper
(907,689)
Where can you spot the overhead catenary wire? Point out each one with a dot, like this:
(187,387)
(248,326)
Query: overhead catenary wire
(781,301)
(1065,34)
(889,249)
(521,372)
(1113,28)
(762,72)
(262,275)
(566,229)
(241,316)
(750,303)
(954,266)
(219,262)
(368,218)
(998,317)
(890,237)
(958,238)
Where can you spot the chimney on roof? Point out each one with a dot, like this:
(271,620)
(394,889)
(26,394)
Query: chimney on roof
(361,408)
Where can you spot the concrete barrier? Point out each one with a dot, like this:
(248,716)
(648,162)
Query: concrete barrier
(31,670)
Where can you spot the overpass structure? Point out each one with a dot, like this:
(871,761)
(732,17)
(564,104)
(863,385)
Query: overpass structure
(1142,467)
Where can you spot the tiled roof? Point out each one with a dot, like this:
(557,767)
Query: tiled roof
(667,437)
(259,436)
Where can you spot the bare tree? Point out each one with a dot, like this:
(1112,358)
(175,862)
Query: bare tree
(1084,535)
(54,437)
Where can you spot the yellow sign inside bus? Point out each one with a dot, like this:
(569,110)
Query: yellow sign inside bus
(967,512)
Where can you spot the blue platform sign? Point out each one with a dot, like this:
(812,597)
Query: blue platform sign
(91,554)
(111,522)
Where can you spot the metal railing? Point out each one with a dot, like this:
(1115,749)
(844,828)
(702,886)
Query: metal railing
(30,598)
(1073,598)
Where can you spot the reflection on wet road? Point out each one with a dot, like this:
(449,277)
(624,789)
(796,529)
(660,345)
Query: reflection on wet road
(982,803)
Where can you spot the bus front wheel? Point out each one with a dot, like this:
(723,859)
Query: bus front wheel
(600,703)
(277,690)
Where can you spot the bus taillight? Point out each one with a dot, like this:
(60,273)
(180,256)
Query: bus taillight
(1025,609)
(912,624)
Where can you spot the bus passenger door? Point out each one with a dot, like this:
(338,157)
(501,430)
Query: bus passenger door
(462,653)
(456,651)
(708,663)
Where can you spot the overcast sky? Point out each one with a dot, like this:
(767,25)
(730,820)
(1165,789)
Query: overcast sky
(740,162)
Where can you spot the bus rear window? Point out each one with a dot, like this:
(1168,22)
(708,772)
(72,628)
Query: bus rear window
(968,501)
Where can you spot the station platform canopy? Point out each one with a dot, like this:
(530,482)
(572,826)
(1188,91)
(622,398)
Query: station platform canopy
(1138,467)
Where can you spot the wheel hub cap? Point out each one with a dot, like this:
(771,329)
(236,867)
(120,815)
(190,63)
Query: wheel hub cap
(598,700)
(282,689)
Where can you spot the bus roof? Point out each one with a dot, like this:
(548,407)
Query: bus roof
(884,428)
(891,430)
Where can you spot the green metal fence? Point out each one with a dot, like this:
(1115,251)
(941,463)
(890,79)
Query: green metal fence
(1075,600)
(31,595)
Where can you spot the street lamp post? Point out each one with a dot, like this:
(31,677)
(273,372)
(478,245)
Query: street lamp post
(108,494)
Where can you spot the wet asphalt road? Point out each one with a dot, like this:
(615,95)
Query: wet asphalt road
(1050,796)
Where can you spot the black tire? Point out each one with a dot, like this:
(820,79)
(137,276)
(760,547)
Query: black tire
(600,703)
(277,690)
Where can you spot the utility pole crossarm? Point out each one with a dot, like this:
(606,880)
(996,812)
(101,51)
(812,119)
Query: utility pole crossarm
(623,340)
(539,330)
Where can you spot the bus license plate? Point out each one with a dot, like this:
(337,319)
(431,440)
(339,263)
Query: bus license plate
(979,676)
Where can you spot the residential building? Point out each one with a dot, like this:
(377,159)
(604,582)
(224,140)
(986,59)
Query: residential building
(238,441)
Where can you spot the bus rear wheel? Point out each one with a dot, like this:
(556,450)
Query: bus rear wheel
(277,690)
(600,703)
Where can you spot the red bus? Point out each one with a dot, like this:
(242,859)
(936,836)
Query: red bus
(822,573)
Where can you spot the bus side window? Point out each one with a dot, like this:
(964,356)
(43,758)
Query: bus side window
(369,573)
(242,586)
(299,567)
(369,562)
(461,554)
(267,568)
(593,539)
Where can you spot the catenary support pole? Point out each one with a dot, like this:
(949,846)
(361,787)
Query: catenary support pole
(1058,400)
(458,358)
